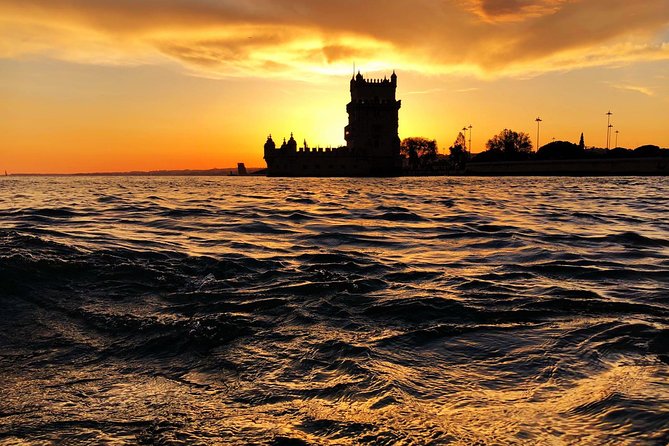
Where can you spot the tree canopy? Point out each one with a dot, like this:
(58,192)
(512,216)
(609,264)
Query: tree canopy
(459,146)
(458,151)
(560,150)
(510,142)
(507,146)
(513,146)
(419,150)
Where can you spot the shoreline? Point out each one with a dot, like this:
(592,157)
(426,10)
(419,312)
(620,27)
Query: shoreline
(613,167)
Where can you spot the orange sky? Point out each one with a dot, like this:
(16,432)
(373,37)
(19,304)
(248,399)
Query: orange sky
(109,85)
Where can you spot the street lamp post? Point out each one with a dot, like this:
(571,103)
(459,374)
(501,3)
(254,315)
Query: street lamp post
(470,139)
(464,129)
(608,129)
(538,120)
(617,131)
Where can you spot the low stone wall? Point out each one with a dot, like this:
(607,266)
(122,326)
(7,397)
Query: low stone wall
(585,167)
(330,164)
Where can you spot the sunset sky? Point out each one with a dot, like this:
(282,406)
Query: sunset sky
(111,85)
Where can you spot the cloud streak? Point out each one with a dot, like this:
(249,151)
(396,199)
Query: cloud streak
(487,38)
(636,89)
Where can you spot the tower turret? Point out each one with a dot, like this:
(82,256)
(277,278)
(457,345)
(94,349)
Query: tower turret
(291,146)
(269,145)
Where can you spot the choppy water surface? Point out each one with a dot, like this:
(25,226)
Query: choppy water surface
(334,311)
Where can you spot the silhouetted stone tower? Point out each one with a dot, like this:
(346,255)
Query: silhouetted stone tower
(372,140)
(373,123)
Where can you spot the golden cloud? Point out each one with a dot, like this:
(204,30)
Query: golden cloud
(285,37)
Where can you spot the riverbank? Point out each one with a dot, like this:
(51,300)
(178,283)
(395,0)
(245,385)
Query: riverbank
(579,167)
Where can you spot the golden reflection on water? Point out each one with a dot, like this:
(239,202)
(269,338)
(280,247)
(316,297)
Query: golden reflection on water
(476,416)
(473,311)
(459,404)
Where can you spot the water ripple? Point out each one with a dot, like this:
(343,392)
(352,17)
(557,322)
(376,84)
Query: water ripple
(350,311)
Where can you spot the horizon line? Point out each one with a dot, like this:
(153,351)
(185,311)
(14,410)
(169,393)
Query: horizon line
(161,172)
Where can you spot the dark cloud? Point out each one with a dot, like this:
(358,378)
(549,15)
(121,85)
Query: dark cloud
(336,53)
(485,36)
(514,10)
(237,46)
(583,25)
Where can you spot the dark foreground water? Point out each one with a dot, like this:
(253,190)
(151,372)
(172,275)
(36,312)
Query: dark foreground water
(192,311)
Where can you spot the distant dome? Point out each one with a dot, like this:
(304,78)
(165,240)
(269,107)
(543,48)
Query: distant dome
(291,142)
(269,144)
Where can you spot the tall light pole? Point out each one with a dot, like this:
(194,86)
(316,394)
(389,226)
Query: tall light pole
(470,139)
(617,137)
(608,129)
(538,124)
(464,130)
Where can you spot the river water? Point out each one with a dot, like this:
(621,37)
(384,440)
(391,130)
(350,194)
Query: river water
(460,311)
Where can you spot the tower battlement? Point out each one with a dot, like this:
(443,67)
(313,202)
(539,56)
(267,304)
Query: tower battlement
(373,89)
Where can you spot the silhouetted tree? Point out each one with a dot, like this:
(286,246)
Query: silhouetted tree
(507,146)
(510,142)
(581,142)
(458,151)
(619,152)
(560,150)
(419,150)
(647,150)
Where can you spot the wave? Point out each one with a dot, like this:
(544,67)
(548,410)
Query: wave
(348,311)
(398,216)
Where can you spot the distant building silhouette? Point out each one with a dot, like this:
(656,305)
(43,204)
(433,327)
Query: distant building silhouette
(372,140)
